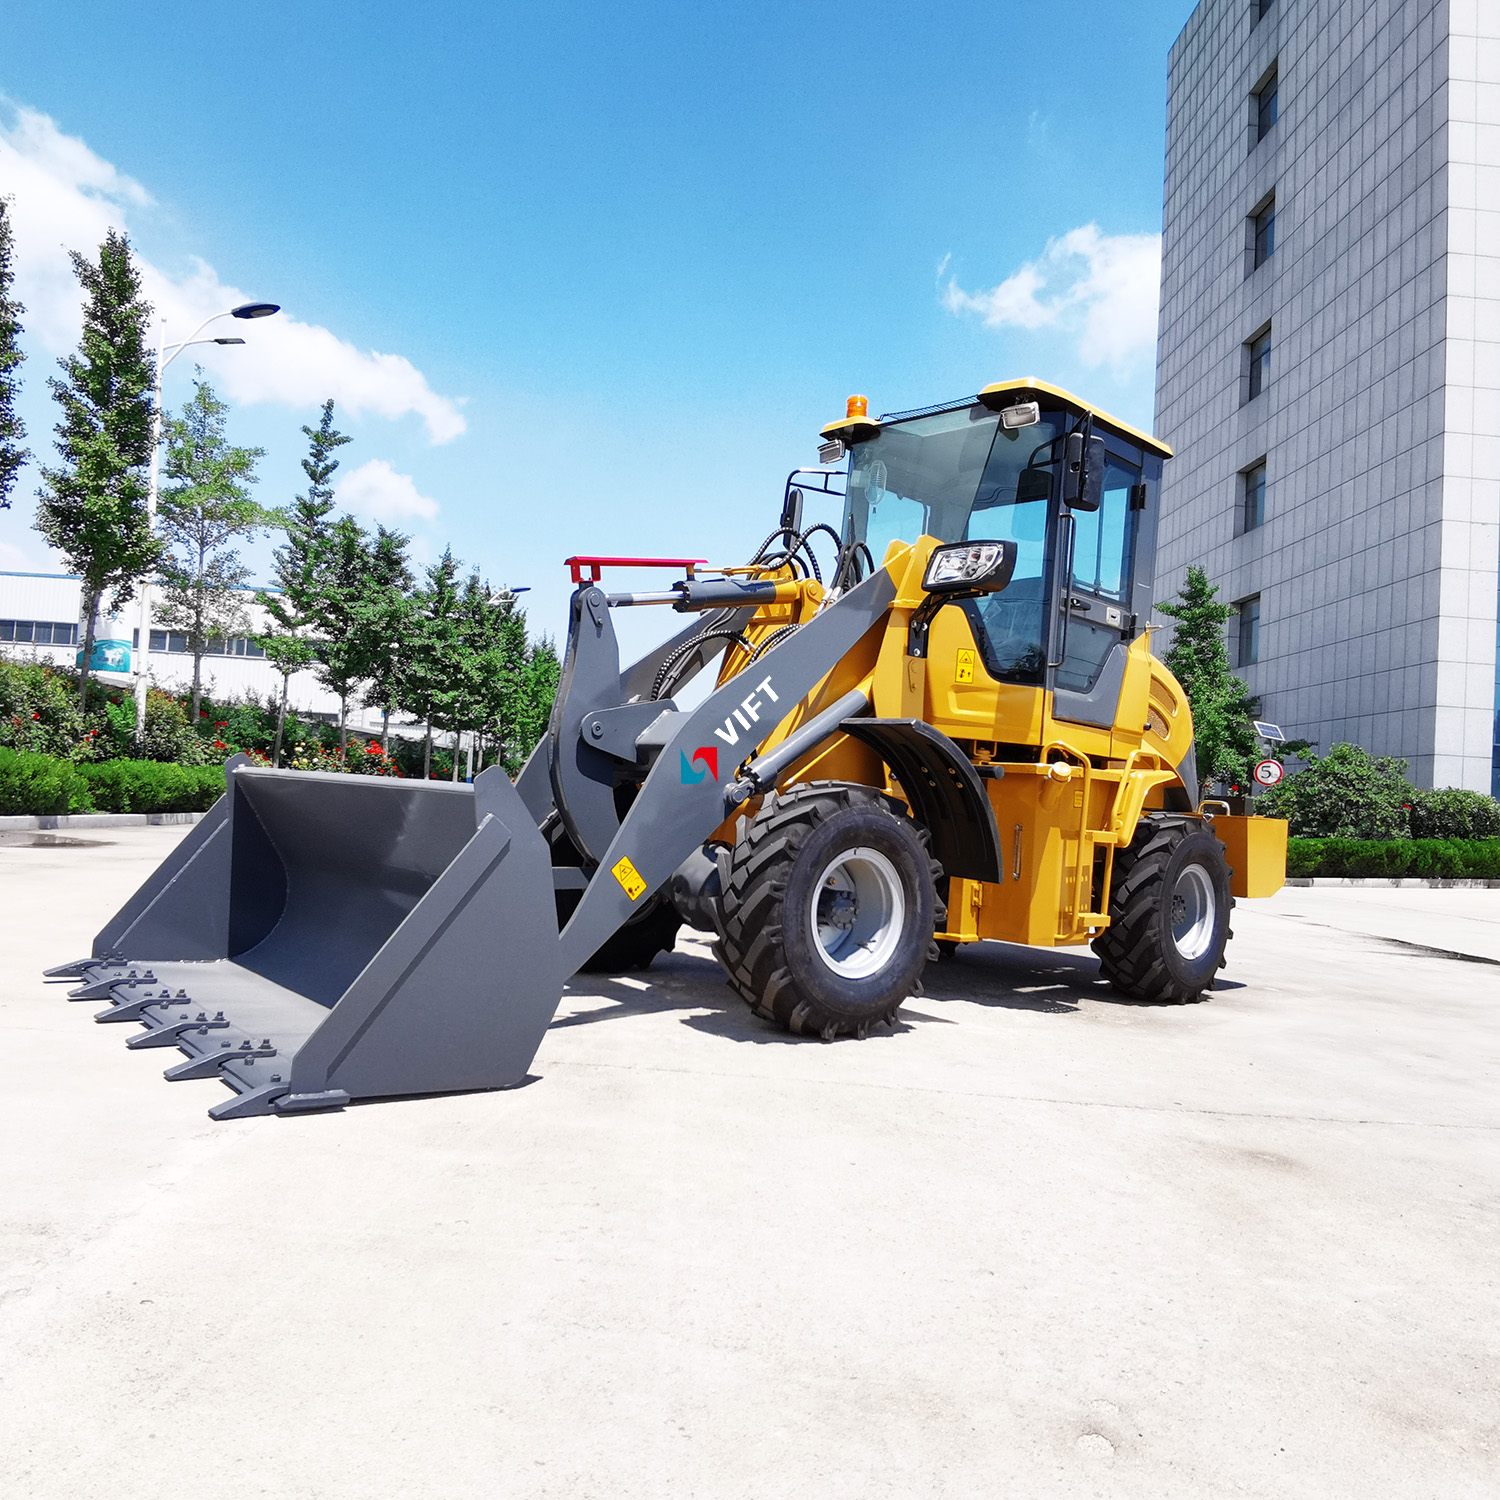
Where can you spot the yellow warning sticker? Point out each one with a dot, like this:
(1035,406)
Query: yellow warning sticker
(964,671)
(629,877)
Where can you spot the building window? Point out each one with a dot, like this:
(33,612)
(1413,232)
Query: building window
(1263,233)
(1259,10)
(1258,357)
(1253,496)
(1266,105)
(173,643)
(1247,631)
(39,632)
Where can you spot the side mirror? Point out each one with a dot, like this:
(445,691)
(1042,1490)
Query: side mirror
(791,510)
(1083,471)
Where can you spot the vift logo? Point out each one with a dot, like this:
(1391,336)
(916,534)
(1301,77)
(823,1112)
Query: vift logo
(752,707)
(709,755)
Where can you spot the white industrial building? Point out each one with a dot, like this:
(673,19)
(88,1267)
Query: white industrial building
(40,613)
(1329,363)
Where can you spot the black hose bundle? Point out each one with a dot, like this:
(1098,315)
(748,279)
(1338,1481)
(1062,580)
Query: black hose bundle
(676,663)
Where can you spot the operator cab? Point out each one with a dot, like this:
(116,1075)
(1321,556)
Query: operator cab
(1028,463)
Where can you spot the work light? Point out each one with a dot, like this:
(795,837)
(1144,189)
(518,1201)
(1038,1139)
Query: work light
(970,568)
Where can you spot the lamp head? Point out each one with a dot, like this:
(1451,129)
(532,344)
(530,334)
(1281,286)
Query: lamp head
(255,310)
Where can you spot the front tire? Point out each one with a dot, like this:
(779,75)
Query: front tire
(633,946)
(1169,908)
(829,910)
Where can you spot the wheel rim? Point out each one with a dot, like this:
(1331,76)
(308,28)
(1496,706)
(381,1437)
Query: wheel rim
(1194,908)
(858,910)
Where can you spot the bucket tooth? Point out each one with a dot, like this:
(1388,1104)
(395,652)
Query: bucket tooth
(168,1035)
(80,966)
(103,989)
(261,1101)
(134,1008)
(207,1064)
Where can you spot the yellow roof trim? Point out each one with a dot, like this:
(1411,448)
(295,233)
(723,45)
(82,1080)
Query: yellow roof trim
(852,429)
(1134,433)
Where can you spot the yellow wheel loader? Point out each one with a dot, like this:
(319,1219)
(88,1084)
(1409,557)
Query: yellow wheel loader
(935,719)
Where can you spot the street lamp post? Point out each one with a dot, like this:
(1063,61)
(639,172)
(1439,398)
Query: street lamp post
(163,359)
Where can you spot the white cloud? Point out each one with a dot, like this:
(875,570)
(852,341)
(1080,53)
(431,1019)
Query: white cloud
(14,560)
(378,493)
(65,197)
(1102,288)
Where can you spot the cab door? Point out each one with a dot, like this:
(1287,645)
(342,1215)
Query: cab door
(1093,622)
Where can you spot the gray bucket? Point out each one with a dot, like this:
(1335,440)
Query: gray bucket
(319,938)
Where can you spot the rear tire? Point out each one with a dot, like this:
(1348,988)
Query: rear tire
(829,910)
(1169,908)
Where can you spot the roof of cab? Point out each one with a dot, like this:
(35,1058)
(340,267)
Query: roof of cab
(1044,388)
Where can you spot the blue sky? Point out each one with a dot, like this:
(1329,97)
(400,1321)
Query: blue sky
(590,278)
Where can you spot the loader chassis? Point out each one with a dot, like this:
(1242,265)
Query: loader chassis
(959,733)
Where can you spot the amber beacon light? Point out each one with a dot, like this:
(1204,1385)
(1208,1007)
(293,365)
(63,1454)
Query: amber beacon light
(856,426)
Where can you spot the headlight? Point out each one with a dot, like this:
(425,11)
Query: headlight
(970,568)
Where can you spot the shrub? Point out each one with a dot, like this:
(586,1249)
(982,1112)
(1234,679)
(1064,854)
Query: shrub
(1346,794)
(1394,859)
(31,783)
(169,737)
(148,786)
(360,757)
(1453,813)
(39,710)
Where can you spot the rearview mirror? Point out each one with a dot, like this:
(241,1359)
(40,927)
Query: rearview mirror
(1083,471)
(1034,484)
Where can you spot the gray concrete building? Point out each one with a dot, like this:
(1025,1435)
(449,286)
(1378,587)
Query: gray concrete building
(1329,363)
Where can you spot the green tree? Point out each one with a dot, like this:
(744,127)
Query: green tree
(387,619)
(12,428)
(343,644)
(430,687)
(204,507)
(490,665)
(543,671)
(1223,711)
(93,505)
(503,664)
(290,643)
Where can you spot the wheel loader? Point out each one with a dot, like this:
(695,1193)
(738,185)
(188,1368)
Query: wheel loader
(934,718)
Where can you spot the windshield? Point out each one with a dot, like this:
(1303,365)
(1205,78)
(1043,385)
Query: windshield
(961,476)
(958,476)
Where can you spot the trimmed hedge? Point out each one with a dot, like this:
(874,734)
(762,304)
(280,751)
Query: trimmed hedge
(151,786)
(1394,859)
(46,784)
(36,783)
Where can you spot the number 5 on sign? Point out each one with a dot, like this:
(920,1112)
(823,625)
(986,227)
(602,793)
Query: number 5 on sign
(1269,772)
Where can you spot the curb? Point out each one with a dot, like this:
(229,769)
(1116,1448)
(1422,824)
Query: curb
(1402,883)
(94,820)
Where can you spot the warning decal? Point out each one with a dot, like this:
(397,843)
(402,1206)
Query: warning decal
(964,671)
(629,877)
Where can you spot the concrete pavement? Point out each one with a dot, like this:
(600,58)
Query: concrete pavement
(1036,1242)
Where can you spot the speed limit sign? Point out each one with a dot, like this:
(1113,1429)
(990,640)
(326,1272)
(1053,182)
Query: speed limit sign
(1269,772)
